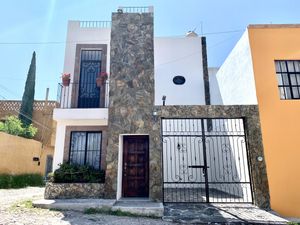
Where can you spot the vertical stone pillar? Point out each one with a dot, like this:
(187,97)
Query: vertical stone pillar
(131,92)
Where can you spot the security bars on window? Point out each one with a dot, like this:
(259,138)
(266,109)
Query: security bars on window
(288,76)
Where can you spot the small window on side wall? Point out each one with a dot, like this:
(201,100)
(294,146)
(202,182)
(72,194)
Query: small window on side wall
(179,80)
(288,77)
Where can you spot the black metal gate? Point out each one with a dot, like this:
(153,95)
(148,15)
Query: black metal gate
(205,160)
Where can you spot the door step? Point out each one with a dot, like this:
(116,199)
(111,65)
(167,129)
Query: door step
(140,206)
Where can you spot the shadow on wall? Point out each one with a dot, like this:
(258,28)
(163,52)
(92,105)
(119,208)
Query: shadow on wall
(215,94)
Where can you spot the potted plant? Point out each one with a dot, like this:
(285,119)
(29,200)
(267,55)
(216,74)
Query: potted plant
(100,80)
(66,79)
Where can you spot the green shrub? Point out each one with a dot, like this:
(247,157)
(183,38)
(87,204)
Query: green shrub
(14,126)
(21,181)
(72,173)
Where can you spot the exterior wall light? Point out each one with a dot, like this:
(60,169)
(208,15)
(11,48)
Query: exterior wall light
(164,100)
(260,158)
(154,115)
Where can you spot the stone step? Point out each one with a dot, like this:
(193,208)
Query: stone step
(74,204)
(143,207)
(140,207)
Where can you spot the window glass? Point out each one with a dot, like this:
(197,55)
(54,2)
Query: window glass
(288,78)
(86,148)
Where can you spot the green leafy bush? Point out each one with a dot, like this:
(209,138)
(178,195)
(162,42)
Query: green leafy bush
(21,181)
(14,126)
(72,173)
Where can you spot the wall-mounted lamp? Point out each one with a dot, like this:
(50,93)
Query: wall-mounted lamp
(260,158)
(164,100)
(154,115)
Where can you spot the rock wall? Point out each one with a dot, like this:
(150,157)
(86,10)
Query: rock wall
(73,190)
(131,92)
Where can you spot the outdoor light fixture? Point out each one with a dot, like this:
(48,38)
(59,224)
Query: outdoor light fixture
(164,100)
(154,114)
(260,158)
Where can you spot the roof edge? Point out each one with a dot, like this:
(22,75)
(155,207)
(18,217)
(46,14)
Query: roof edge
(263,26)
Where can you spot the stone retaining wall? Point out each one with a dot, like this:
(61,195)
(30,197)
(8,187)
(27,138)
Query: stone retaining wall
(73,190)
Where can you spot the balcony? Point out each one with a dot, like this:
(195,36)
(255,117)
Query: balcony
(82,101)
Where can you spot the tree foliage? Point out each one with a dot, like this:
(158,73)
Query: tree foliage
(26,110)
(14,126)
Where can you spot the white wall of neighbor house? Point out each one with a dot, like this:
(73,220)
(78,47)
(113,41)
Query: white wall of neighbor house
(235,77)
(178,56)
(61,132)
(215,95)
(77,34)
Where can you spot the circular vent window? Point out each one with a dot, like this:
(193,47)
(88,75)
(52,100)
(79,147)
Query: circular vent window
(179,80)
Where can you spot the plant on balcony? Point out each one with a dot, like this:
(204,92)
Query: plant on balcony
(100,80)
(66,78)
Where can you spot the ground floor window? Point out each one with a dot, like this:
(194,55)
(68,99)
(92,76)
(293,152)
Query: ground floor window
(85,148)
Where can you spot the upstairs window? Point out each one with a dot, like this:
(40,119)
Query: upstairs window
(288,76)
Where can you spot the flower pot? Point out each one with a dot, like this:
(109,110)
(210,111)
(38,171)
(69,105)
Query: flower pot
(66,82)
(100,81)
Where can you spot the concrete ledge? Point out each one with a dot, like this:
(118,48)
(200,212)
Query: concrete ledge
(140,207)
(74,204)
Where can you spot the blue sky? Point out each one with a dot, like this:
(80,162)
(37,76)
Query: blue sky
(27,26)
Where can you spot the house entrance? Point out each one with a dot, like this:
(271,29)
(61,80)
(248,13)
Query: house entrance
(205,160)
(135,180)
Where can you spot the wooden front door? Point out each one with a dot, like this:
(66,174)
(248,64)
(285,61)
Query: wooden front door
(136,166)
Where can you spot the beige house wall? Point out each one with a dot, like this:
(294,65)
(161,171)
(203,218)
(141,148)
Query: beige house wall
(16,155)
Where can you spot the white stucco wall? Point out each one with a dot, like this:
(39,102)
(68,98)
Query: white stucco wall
(215,95)
(84,35)
(235,77)
(178,56)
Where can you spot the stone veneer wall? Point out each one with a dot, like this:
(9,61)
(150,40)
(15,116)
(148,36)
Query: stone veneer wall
(73,190)
(131,92)
(253,133)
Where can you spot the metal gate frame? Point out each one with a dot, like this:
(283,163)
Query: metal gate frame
(207,126)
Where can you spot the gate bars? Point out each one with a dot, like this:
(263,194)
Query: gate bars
(205,160)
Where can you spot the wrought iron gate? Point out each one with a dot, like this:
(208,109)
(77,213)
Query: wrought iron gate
(205,160)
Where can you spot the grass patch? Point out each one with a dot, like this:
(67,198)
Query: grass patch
(108,211)
(293,223)
(20,181)
(23,204)
(117,212)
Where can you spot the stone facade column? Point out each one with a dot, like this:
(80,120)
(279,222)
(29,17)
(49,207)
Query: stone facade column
(131,93)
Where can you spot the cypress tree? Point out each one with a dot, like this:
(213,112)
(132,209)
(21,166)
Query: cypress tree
(26,110)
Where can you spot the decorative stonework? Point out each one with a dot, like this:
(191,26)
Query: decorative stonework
(131,106)
(73,190)
(131,89)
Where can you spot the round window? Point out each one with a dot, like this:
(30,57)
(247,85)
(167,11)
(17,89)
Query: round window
(178,80)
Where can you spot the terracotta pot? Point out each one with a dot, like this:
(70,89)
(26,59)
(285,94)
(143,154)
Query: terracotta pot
(66,81)
(100,81)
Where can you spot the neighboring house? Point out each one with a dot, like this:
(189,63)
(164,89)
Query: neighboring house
(20,155)
(264,69)
(151,125)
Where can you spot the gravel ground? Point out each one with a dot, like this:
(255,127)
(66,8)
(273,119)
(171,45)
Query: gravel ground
(15,211)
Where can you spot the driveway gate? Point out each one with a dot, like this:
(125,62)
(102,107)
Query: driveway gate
(205,160)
